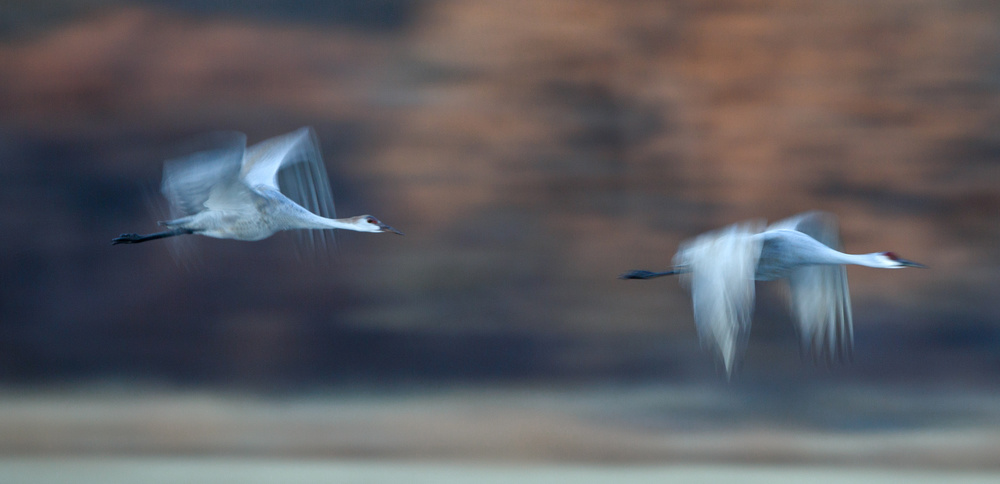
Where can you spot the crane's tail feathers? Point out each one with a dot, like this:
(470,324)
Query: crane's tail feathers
(647,274)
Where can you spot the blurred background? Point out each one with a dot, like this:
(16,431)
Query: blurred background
(531,151)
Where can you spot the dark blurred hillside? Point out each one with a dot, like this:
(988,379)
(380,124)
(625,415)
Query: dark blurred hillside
(531,151)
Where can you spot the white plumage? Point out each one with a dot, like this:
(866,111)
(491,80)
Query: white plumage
(720,268)
(235,192)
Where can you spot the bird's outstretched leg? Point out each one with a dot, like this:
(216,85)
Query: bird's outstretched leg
(647,274)
(136,238)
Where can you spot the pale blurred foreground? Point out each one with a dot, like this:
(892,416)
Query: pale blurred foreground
(632,433)
(252,471)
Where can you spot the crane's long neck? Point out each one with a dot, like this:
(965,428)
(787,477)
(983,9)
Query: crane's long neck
(313,221)
(284,213)
(831,256)
(875,259)
(783,249)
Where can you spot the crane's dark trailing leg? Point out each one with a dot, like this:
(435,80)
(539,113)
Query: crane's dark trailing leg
(647,274)
(136,238)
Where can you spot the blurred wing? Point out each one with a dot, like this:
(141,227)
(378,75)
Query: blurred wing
(292,164)
(720,269)
(209,177)
(264,159)
(821,226)
(821,304)
(820,300)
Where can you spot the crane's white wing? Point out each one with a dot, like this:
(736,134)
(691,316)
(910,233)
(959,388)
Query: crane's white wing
(720,267)
(207,178)
(820,300)
(292,164)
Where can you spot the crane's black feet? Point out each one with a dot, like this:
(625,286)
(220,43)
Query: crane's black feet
(136,238)
(645,274)
(128,239)
(636,275)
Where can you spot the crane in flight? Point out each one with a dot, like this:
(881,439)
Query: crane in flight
(720,268)
(249,193)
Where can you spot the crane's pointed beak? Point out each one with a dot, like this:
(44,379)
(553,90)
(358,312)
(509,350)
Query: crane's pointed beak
(910,263)
(386,228)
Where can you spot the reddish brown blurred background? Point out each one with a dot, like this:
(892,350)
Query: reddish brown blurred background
(531,151)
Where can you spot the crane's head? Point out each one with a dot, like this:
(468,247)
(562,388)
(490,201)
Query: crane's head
(890,260)
(367,223)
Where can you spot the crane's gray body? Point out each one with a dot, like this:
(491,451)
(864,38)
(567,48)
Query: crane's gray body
(720,268)
(232,192)
(783,250)
(268,212)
